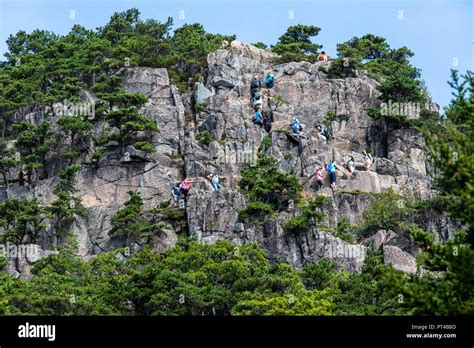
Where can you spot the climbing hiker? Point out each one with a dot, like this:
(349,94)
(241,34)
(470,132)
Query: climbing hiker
(368,160)
(268,120)
(258,117)
(332,173)
(215,181)
(296,126)
(322,57)
(269,81)
(255,86)
(185,187)
(176,193)
(319,178)
(327,133)
(320,134)
(351,165)
(257,101)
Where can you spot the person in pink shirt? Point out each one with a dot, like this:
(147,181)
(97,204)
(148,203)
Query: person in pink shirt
(184,187)
(319,178)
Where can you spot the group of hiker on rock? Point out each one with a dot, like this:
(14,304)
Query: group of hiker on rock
(332,167)
(261,118)
(182,188)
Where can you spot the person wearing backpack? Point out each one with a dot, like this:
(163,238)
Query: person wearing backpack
(258,118)
(268,120)
(332,173)
(176,193)
(296,126)
(269,81)
(185,187)
(255,86)
(257,101)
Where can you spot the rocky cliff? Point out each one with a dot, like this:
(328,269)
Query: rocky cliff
(225,116)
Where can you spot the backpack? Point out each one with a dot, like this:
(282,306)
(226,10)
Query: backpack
(255,84)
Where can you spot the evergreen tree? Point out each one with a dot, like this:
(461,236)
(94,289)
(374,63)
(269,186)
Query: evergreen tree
(8,162)
(295,45)
(66,205)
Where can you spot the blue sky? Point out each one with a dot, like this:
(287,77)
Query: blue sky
(440,32)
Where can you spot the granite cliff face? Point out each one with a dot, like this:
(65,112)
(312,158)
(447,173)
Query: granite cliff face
(303,90)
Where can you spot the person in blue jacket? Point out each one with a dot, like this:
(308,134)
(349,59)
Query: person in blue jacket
(332,173)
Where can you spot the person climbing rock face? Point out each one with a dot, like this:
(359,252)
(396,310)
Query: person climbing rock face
(215,181)
(268,120)
(269,81)
(351,165)
(185,187)
(320,134)
(257,101)
(368,160)
(296,126)
(258,118)
(176,193)
(322,57)
(255,86)
(332,173)
(319,178)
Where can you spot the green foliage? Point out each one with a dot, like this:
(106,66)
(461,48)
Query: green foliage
(266,143)
(128,220)
(67,204)
(387,211)
(311,213)
(205,137)
(446,286)
(21,220)
(190,46)
(257,210)
(399,80)
(145,146)
(461,109)
(200,107)
(342,231)
(189,279)
(374,54)
(77,130)
(34,143)
(132,221)
(260,44)
(452,153)
(364,293)
(267,187)
(295,45)
(126,118)
(7,163)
